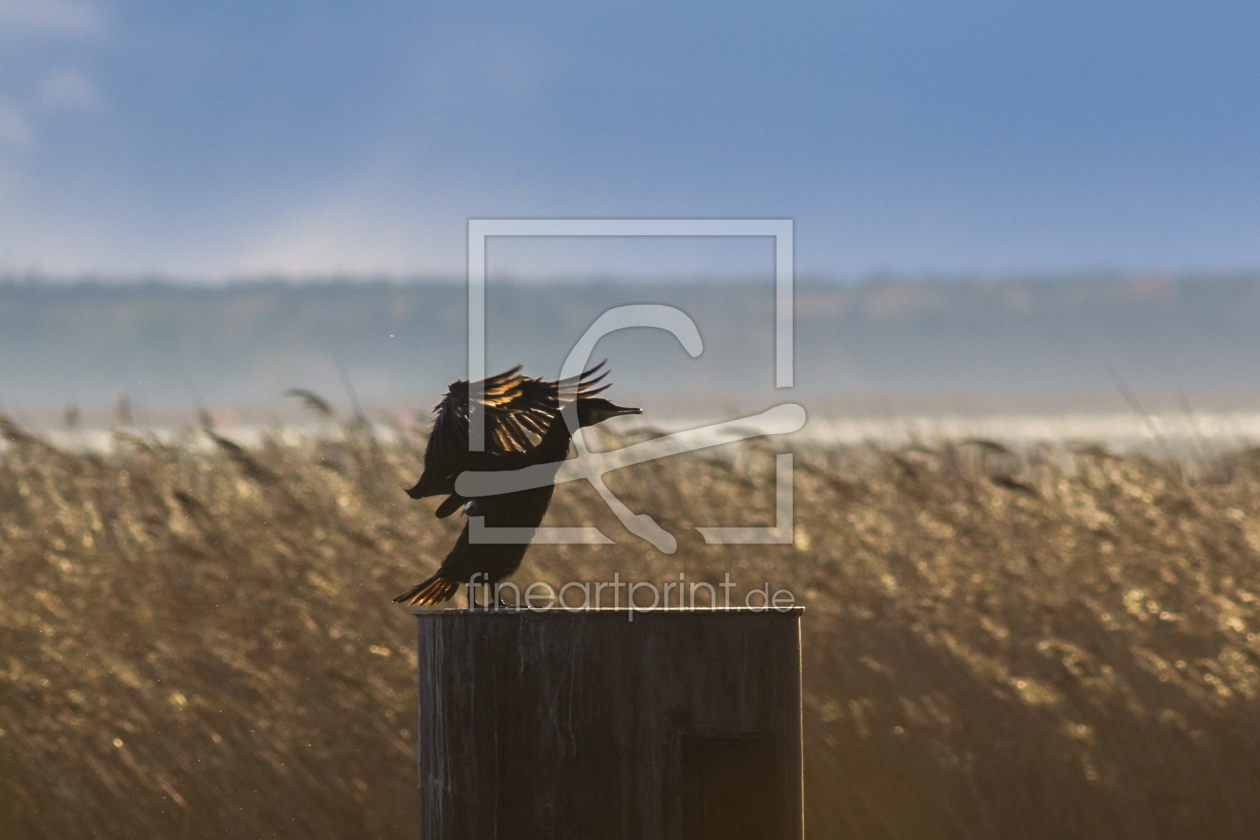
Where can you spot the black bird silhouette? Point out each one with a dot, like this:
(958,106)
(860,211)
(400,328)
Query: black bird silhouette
(525,426)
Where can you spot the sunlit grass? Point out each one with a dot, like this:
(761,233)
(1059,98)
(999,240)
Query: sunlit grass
(200,642)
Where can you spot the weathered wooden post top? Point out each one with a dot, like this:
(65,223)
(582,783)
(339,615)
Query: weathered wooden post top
(680,725)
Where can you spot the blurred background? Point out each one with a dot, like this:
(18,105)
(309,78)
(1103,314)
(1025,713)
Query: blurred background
(1084,356)
(998,207)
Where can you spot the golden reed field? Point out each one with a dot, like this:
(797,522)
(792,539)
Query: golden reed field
(198,641)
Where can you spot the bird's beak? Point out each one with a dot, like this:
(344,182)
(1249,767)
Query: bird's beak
(620,411)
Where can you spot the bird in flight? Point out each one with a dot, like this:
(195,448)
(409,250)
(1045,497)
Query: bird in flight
(524,427)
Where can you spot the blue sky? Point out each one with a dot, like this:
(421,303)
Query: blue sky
(228,138)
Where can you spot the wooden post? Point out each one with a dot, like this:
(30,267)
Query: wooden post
(587,725)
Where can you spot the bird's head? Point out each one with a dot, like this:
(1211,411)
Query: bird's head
(597,409)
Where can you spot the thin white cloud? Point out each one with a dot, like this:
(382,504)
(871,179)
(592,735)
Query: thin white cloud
(328,240)
(51,17)
(15,130)
(68,89)
(358,228)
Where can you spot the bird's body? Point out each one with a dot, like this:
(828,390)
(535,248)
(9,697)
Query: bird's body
(515,406)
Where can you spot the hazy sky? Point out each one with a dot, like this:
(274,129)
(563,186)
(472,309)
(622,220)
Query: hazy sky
(235,137)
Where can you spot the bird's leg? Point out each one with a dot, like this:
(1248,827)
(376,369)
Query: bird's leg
(472,597)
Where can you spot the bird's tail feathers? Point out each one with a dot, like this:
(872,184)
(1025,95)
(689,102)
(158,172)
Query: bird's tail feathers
(435,590)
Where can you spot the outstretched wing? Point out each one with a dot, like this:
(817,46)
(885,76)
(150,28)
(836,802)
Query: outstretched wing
(517,410)
(542,399)
(448,440)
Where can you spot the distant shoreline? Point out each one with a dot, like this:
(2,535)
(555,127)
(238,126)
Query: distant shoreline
(881,349)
